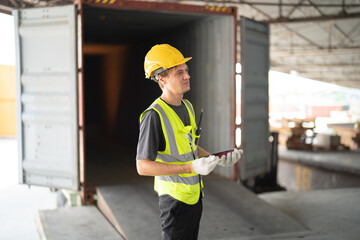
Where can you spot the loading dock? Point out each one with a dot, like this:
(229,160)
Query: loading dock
(230,212)
(312,170)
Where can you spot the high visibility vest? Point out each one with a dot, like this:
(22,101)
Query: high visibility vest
(180,149)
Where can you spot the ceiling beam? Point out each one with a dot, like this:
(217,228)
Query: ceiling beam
(7,6)
(273,4)
(335,5)
(313,52)
(326,75)
(294,8)
(286,27)
(315,18)
(334,24)
(5,9)
(353,29)
(279,32)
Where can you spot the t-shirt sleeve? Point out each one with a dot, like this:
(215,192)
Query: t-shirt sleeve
(149,137)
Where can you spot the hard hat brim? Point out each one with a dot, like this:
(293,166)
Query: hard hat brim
(177,64)
(185,60)
(162,56)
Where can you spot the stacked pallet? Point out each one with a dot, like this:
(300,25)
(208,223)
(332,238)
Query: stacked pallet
(299,139)
(349,136)
(293,133)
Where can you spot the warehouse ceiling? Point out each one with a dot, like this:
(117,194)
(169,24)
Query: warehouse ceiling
(317,39)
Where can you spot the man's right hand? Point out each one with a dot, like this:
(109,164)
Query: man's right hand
(204,165)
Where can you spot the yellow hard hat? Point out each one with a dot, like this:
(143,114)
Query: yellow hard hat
(162,57)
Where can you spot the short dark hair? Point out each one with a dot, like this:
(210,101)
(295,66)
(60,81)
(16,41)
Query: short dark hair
(165,73)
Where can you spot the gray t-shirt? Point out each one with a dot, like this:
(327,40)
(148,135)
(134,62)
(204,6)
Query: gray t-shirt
(151,136)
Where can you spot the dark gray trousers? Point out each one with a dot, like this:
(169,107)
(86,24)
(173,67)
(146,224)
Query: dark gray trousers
(179,221)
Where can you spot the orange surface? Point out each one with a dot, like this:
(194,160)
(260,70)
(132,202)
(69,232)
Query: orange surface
(7,101)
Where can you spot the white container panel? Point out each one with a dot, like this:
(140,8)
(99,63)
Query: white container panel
(47,96)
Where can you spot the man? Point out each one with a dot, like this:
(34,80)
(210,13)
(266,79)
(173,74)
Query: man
(167,149)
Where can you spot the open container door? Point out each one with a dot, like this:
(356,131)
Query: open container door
(47,104)
(213,87)
(254,99)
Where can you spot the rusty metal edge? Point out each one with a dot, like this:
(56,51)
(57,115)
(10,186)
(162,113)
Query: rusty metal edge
(160,6)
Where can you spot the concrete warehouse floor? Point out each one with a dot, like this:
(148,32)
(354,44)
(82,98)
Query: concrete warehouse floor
(231,212)
(19,203)
(328,214)
(335,212)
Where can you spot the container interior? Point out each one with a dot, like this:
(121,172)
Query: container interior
(116,92)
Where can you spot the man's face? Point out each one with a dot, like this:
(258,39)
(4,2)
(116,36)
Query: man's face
(178,79)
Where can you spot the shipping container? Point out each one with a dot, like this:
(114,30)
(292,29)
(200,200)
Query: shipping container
(81,86)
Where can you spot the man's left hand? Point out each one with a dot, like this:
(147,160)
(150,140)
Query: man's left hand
(231,158)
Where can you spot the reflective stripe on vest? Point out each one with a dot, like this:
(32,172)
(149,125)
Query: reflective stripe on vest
(183,187)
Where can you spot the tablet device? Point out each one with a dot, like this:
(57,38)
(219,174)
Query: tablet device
(219,154)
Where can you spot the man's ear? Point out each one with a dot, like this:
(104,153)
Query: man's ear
(162,80)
